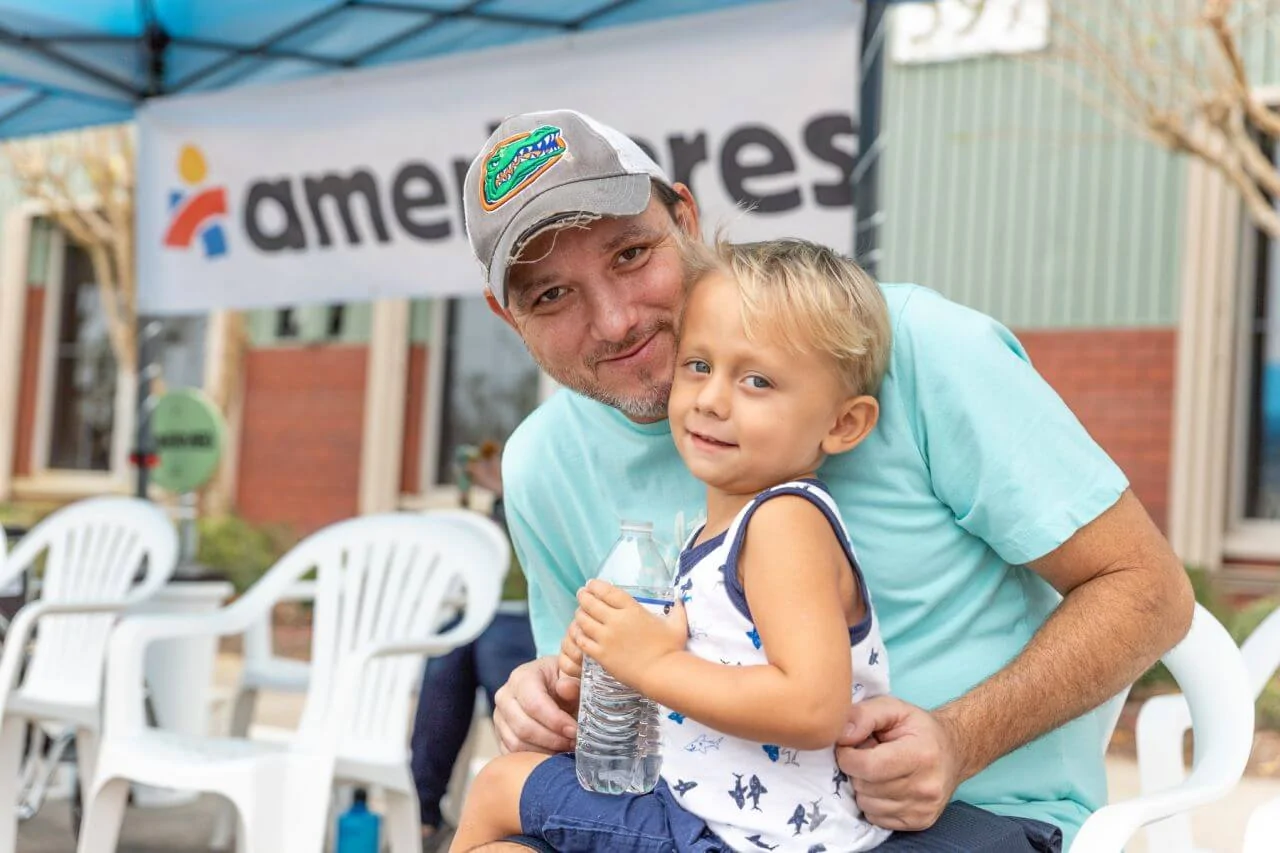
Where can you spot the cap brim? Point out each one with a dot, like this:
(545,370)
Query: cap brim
(619,195)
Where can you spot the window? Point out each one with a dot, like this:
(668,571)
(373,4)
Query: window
(335,318)
(1262,449)
(84,373)
(286,323)
(489,382)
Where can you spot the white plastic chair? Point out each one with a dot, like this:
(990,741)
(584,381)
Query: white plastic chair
(1163,724)
(95,552)
(1217,704)
(381,587)
(263,669)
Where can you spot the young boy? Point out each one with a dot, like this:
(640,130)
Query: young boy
(782,348)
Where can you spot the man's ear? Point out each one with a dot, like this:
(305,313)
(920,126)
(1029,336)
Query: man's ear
(854,422)
(687,211)
(496,307)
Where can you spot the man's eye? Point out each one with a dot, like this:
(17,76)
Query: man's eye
(759,382)
(548,296)
(630,254)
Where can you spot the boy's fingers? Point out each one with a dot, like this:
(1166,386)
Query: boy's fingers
(586,626)
(610,594)
(592,605)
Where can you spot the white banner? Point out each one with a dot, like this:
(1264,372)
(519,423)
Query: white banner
(346,188)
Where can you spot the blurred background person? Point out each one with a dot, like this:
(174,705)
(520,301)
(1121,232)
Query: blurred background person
(447,701)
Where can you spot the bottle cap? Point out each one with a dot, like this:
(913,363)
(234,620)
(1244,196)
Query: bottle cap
(637,527)
(361,795)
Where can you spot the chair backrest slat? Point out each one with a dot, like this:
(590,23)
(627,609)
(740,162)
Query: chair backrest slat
(387,579)
(110,550)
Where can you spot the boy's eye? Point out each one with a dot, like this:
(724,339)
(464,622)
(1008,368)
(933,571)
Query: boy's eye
(759,382)
(697,365)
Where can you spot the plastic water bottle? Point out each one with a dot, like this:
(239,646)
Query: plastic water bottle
(358,828)
(618,729)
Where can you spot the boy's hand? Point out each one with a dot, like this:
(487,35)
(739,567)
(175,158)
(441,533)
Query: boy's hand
(627,640)
(570,660)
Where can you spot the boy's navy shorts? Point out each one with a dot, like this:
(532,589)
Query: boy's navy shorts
(557,814)
(557,810)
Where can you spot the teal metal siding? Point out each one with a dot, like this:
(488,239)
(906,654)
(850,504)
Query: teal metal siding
(1005,192)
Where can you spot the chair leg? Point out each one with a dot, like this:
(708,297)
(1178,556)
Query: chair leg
(242,712)
(1263,829)
(404,828)
(12,735)
(86,760)
(225,824)
(103,814)
(283,809)
(224,828)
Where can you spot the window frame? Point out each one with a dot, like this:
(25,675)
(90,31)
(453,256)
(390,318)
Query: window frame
(70,480)
(433,494)
(1245,538)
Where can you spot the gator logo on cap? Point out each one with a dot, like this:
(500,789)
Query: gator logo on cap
(517,161)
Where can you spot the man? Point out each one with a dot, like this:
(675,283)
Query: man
(1019,581)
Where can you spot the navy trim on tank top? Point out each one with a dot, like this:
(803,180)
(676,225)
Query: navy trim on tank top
(691,556)
(733,586)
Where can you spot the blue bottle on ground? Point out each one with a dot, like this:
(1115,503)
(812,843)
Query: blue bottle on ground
(359,828)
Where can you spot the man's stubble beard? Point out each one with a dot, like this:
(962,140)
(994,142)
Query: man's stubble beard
(649,405)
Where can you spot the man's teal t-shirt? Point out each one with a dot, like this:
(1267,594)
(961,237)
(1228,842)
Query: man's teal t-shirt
(975,468)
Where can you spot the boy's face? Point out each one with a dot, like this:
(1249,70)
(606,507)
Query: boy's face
(747,416)
(597,306)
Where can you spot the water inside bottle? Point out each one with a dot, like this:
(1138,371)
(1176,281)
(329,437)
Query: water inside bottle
(618,747)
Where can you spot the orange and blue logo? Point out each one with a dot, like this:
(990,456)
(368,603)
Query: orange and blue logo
(196,212)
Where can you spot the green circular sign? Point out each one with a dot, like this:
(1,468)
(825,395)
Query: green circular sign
(187,432)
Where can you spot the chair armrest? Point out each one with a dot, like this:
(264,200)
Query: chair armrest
(1209,669)
(1162,723)
(24,623)
(123,713)
(123,706)
(349,674)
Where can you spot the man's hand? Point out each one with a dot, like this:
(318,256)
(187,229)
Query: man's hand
(536,710)
(902,762)
(623,637)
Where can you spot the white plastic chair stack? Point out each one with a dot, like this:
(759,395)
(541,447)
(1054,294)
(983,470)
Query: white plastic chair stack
(381,592)
(95,552)
(1217,704)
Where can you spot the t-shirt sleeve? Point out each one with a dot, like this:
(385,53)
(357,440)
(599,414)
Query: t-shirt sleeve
(1004,452)
(552,598)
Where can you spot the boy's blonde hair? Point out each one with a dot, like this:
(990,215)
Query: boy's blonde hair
(806,296)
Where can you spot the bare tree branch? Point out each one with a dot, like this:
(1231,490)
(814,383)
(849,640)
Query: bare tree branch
(1182,81)
(86,183)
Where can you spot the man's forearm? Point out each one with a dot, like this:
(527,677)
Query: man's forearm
(1105,634)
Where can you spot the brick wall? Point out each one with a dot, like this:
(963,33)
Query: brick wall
(1120,384)
(300,452)
(26,414)
(300,441)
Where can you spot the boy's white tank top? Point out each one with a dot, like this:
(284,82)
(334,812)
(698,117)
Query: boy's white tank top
(759,796)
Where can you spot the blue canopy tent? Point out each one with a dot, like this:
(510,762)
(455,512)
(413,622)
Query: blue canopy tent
(66,64)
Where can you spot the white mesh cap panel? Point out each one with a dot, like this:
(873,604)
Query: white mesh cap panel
(630,155)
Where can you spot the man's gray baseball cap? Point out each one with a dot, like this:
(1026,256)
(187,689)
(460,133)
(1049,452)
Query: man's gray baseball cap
(538,168)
